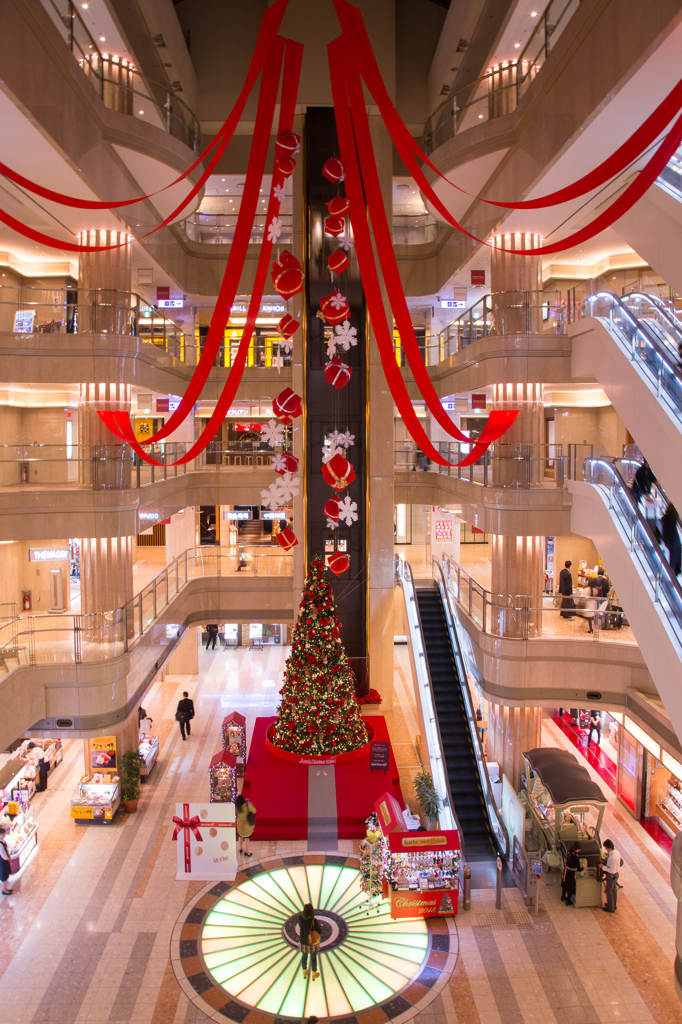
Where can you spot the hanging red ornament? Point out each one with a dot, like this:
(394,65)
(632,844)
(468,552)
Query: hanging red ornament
(331,510)
(337,373)
(287,539)
(285,165)
(287,406)
(338,563)
(334,226)
(334,170)
(335,307)
(338,472)
(287,275)
(288,326)
(286,463)
(338,261)
(287,143)
(338,206)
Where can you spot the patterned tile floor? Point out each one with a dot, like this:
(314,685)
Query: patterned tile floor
(87,934)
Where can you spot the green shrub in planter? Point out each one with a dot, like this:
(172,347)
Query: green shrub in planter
(427,797)
(129,770)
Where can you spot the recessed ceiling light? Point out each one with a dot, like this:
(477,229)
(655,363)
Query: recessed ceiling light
(533,14)
(140,111)
(85,6)
(102,39)
(517,46)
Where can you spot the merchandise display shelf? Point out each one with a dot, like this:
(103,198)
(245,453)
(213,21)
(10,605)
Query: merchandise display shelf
(96,801)
(149,751)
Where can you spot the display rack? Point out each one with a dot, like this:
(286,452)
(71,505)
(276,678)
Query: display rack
(234,739)
(21,838)
(422,874)
(96,799)
(373,850)
(149,751)
(222,778)
(17,781)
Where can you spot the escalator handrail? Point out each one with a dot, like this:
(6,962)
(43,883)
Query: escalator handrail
(406,577)
(663,568)
(666,314)
(450,616)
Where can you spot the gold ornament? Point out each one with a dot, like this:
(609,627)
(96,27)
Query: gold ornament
(198,850)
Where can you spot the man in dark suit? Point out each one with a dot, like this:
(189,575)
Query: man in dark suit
(566,590)
(185,714)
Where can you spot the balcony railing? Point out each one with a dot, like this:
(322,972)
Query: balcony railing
(69,639)
(499,91)
(512,466)
(415,229)
(219,228)
(494,315)
(119,85)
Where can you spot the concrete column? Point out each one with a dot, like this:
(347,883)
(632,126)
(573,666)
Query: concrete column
(105,463)
(106,566)
(517,565)
(510,732)
(518,457)
(104,284)
(184,661)
(516,284)
(181,533)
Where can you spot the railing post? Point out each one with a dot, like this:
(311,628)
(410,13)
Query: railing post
(139,612)
(125,628)
(154,598)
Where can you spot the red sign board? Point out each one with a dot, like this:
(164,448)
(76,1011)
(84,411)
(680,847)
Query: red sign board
(162,292)
(245,427)
(478,401)
(162,404)
(429,903)
(478,277)
(390,814)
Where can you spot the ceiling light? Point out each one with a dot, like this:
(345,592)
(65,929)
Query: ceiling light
(85,6)
(140,111)
(102,39)
(533,14)
(517,46)
(480,117)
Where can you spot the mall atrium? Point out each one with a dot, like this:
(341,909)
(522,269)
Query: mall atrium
(340,560)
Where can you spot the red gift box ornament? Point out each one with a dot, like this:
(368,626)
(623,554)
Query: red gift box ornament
(331,510)
(334,226)
(287,143)
(286,165)
(287,406)
(334,170)
(286,463)
(338,472)
(338,563)
(337,373)
(338,206)
(287,276)
(337,261)
(287,539)
(335,308)
(288,326)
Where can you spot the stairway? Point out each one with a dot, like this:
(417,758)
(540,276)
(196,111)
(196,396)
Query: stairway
(251,532)
(458,751)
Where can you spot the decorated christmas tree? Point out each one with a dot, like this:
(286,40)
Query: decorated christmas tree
(319,712)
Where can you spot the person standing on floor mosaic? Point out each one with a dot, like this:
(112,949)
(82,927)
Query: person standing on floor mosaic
(310,940)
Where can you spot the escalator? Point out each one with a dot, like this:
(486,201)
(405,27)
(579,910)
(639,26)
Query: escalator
(462,768)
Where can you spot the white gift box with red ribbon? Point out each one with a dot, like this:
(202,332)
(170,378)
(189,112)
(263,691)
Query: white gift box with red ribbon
(206,838)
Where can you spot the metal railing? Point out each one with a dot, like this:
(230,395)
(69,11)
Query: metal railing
(452,619)
(499,91)
(650,341)
(670,177)
(219,228)
(119,85)
(494,315)
(415,228)
(67,639)
(516,466)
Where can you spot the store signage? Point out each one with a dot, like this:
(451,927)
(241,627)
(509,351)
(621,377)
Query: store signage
(103,753)
(479,401)
(274,515)
(478,277)
(24,320)
(423,904)
(162,292)
(265,307)
(167,404)
(206,841)
(452,304)
(170,303)
(240,516)
(449,839)
(444,529)
(48,554)
(238,412)
(379,755)
(449,406)
(246,427)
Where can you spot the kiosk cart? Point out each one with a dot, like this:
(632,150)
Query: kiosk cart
(222,775)
(560,795)
(149,751)
(97,798)
(422,874)
(234,739)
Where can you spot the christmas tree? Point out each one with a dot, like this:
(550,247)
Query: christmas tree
(319,712)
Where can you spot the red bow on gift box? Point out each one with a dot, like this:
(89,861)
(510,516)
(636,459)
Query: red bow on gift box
(336,372)
(287,539)
(286,165)
(288,326)
(187,823)
(338,563)
(287,143)
(287,406)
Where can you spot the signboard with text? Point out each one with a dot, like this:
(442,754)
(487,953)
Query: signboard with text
(444,530)
(379,755)
(206,841)
(103,753)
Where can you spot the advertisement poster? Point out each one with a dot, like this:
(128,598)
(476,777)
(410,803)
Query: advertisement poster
(23,321)
(206,839)
(444,530)
(103,753)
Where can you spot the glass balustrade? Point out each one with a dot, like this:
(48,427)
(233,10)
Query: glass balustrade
(516,466)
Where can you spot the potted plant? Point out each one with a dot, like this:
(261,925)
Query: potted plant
(129,770)
(428,799)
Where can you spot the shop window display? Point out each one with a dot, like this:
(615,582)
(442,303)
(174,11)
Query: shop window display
(97,798)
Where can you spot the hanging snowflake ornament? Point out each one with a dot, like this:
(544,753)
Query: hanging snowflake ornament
(274,229)
(272,433)
(346,243)
(289,486)
(345,335)
(286,345)
(278,193)
(339,440)
(329,451)
(272,497)
(331,525)
(331,347)
(285,463)
(348,511)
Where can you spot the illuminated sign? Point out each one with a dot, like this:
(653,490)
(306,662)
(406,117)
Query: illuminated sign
(239,516)
(275,515)
(48,554)
(452,304)
(170,303)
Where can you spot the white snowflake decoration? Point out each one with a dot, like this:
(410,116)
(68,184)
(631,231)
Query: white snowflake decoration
(346,243)
(274,229)
(345,335)
(278,193)
(331,525)
(287,344)
(272,497)
(348,511)
(331,347)
(272,433)
(329,451)
(339,440)
(338,301)
(289,486)
(279,463)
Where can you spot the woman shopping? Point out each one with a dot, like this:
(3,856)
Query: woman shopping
(309,936)
(5,866)
(568,887)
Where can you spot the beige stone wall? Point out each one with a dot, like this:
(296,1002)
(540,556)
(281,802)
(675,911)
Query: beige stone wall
(18,574)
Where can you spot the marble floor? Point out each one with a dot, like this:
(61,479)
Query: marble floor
(86,935)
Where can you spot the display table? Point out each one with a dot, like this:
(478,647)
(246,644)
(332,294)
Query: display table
(22,839)
(149,751)
(96,801)
(422,874)
(17,781)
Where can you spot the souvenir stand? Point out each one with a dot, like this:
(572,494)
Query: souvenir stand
(97,797)
(560,796)
(222,775)
(22,834)
(372,859)
(149,751)
(234,739)
(17,781)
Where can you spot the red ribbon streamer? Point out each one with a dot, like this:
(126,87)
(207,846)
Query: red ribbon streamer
(343,69)
(351,21)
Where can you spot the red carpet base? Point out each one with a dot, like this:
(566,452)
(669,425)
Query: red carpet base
(279,790)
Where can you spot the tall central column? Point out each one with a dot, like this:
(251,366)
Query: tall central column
(104,462)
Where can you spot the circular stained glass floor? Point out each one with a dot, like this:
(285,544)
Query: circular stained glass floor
(249,944)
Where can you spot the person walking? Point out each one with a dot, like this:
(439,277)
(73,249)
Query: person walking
(611,871)
(566,590)
(212,631)
(568,886)
(309,937)
(246,822)
(5,866)
(670,536)
(603,582)
(643,481)
(589,609)
(595,726)
(185,714)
